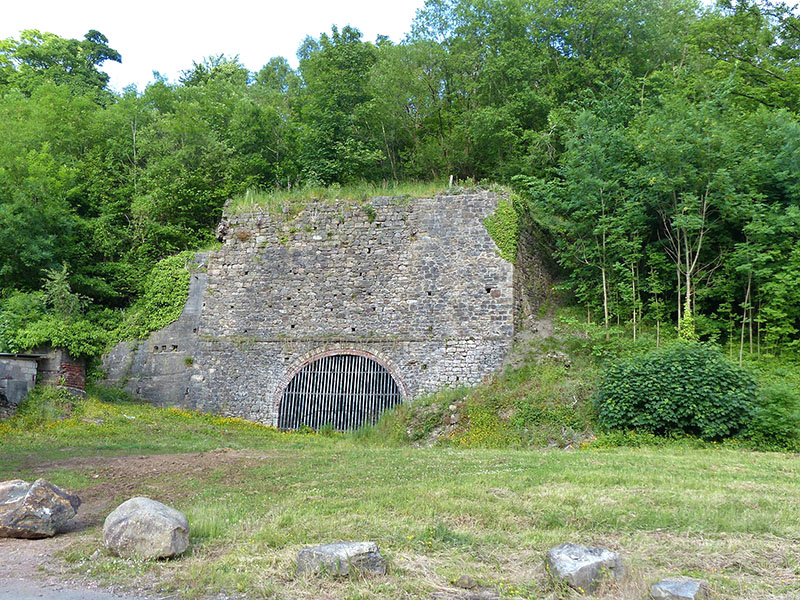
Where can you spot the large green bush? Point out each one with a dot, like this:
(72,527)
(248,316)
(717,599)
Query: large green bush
(686,388)
(776,420)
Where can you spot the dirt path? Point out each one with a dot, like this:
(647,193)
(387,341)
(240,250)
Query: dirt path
(33,569)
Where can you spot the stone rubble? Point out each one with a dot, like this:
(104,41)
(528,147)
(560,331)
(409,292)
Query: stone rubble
(583,568)
(34,510)
(680,588)
(341,559)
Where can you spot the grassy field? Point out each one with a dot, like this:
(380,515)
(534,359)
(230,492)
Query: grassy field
(255,496)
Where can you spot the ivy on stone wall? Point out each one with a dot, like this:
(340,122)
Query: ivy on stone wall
(503,227)
(164,296)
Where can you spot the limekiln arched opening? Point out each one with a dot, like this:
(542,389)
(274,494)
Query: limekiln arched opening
(345,391)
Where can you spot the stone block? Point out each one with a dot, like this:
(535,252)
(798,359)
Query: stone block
(680,588)
(584,568)
(341,559)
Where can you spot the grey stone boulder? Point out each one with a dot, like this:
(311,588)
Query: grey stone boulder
(341,559)
(34,510)
(583,568)
(680,588)
(145,528)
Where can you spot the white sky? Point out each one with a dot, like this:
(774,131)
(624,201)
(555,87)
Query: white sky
(167,36)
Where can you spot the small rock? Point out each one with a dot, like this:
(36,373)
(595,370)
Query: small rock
(341,558)
(556,357)
(466,582)
(680,588)
(34,510)
(453,408)
(583,568)
(144,528)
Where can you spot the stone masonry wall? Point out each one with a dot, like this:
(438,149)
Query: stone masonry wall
(17,378)
(418,285)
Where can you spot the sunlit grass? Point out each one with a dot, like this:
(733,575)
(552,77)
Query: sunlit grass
(436,513)
(282,201)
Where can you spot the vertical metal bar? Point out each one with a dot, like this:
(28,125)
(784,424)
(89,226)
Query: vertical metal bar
(340,395)
(303,396)
(321,398)
(335,396)
(363,399)
(318,388)
(316,392)
(372,390)
(308,396)
(349,387)
(381,399)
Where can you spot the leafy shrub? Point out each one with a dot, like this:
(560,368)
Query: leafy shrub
(82,337)
(503,227)
(43,405)
(685,388)
(165,293)
(776,420)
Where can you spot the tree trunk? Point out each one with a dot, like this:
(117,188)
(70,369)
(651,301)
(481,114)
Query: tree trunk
(744,317)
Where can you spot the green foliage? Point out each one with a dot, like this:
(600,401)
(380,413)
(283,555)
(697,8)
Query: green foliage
(503,227)
(58,294)
(776,420)
(686,329)
(43,406)
(682,389)
(81,337)
(165,292)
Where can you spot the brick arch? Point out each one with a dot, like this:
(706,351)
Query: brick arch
(310,357)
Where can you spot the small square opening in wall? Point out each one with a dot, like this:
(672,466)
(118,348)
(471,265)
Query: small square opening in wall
(430,293)
(155,348)
(174,348)
(488,290)
(292,326)
(352,329)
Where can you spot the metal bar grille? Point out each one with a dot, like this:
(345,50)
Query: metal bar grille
(345,391)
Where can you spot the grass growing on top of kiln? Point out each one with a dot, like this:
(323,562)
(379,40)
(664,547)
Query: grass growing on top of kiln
(727,515)
(280,201)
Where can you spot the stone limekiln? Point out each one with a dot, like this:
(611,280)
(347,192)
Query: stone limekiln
(334,314)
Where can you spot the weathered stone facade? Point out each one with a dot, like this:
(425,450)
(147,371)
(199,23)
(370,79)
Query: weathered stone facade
(17,378)
(19,373)
(417,285)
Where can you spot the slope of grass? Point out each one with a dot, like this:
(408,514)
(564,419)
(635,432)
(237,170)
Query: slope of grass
(544,396)
(727,515)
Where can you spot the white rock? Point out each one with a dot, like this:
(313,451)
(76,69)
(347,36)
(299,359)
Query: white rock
(680,588)
(144,528)
(341,559)
(583,568)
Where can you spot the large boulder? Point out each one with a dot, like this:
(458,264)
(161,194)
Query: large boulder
(583,568)
(34,510)
(341,559)
(144,528)
(680,588)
